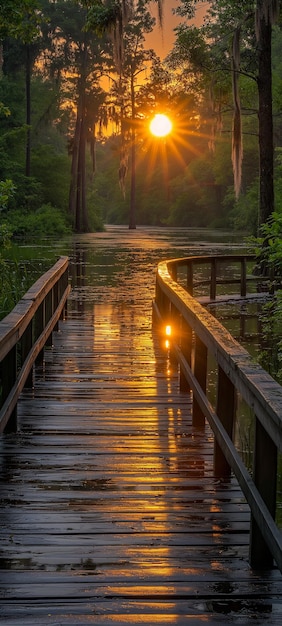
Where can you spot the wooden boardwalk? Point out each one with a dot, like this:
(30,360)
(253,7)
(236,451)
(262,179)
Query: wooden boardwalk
(110,514)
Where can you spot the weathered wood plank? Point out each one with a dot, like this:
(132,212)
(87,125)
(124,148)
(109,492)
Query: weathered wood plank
(123,613)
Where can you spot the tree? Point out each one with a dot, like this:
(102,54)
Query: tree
(21,20)
(74,57)
(250,30)
(266,15)
(125,22)
(135,61)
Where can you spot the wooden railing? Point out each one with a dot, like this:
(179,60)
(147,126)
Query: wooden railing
(215,276)
(195,335)
(25,331)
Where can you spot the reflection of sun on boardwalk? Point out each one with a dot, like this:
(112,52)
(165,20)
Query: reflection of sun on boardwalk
(110,512)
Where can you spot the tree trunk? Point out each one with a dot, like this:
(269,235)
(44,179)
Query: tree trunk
(266,150)
(132,216)
(78,188)
(77,194)
(28,110)
(74,162)
(82,148)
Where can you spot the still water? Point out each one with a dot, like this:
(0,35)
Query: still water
(111,257)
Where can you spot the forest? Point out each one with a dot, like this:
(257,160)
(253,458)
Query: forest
(79,86)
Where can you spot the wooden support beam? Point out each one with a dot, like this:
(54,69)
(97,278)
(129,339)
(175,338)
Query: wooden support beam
(200,373)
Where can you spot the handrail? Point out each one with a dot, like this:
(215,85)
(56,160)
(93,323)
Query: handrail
(217,276)
(25,331)
(195,334)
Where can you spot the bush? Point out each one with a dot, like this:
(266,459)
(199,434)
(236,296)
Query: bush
(46,221)
(7,190)
(244,215)
(269,262)
(270,356)
(14,282)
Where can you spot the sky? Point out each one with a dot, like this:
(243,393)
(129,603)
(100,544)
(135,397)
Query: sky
(162,39)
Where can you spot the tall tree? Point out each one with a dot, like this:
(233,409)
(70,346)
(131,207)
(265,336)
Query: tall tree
(251,32)
(267,12)
(75,58)
(125,21)
(136,60)
(21,20)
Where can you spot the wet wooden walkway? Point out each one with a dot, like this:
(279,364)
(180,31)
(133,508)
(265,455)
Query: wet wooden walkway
(110,514)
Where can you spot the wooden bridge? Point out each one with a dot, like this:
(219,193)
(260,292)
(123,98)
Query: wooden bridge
(117,507)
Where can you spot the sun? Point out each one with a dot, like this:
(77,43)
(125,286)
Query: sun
(160,125)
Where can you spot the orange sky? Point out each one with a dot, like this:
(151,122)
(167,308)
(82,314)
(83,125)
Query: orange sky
(161,40)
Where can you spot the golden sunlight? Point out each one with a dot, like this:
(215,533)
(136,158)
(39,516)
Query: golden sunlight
(160,125)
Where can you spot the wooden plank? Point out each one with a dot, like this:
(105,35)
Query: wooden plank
(123,613)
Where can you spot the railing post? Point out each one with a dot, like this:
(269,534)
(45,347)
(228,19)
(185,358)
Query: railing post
(163,317)
(26,345)
(186,349)
(49,308)
(200,373)
(173,272)
(63,283)
(8,378)
(243,277)
(175,321)
(265,478)
(190,277)
(38,326)
(165,308)
(56,300)
(213,279)
(225,410)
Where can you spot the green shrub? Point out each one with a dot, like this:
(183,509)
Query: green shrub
(5,235)
(14,282)
(47,221)
(269,262)
(270,355)
(7,190)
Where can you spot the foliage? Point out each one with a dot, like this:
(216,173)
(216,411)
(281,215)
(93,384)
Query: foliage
(7,189)
(45,221)
(52,168)
(5,236)
(193,185)
(11,280)
(269,247)
(105,197)
(243,211)
(14,282)
(270,355)
(4,110)
(194,195)
(20,19)
(101,17)
(269,259)
(278,180)
(229,55)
